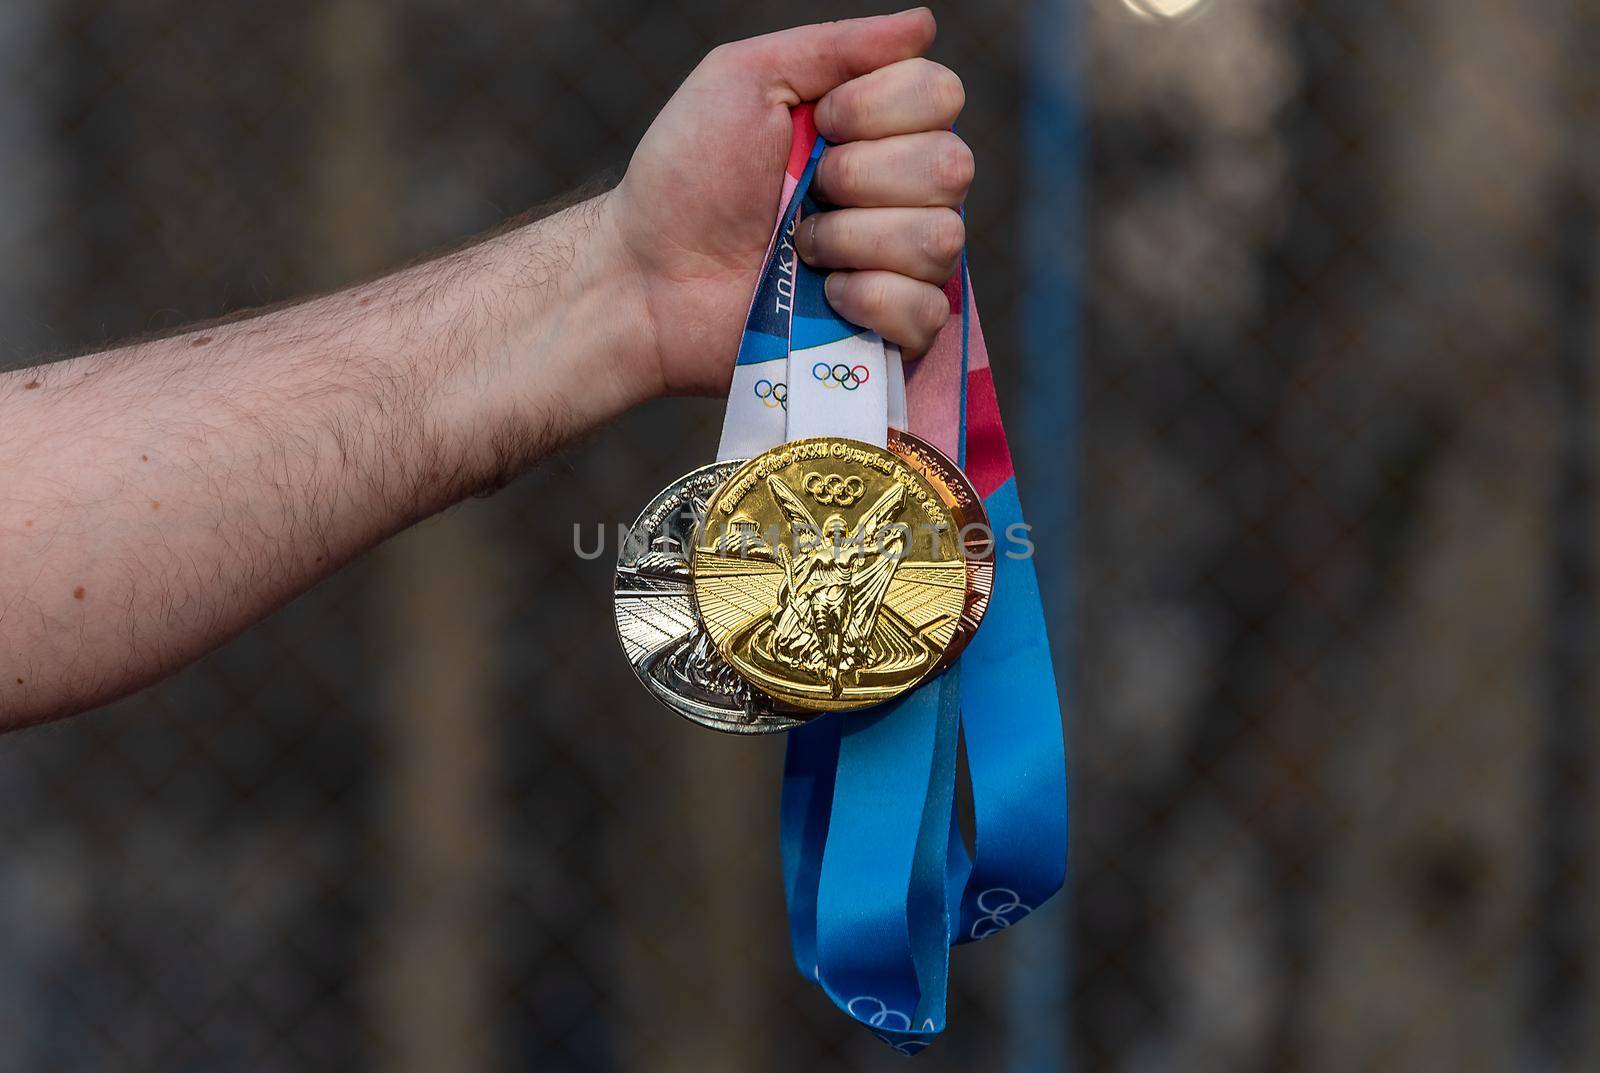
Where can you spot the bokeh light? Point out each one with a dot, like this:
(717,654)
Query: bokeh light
(1163,9)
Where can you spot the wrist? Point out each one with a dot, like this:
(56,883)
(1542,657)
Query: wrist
(588,338)
(553,337)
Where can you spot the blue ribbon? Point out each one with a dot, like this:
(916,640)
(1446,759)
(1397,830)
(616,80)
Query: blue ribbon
(1016,755)
(1011,725)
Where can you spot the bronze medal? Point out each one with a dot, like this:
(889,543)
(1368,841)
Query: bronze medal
(972,529)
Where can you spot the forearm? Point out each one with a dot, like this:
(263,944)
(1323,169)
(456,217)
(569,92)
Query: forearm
(157,499)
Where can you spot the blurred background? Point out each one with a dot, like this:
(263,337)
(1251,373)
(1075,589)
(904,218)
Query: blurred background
(1293,309)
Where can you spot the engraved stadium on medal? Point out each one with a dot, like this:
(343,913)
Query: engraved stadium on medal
(661,634)
(828,573)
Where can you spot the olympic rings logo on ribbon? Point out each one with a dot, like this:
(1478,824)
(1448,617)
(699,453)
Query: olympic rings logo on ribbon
(890,1020)
(772,394)
(840,375)
(833,489)
(998,903)
(882,1017)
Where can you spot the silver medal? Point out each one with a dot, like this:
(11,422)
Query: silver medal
(660,631)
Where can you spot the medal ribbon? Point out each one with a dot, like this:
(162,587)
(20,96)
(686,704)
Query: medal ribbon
(877,878)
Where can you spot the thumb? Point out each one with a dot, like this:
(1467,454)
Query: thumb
(808,61)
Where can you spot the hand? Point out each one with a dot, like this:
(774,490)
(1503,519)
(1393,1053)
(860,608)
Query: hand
(699,201)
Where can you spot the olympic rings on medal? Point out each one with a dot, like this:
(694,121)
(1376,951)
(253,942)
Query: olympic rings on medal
(840,375)
(772,394)
(833,489)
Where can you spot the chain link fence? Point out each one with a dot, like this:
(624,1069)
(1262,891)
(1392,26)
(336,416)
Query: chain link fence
(1334,717)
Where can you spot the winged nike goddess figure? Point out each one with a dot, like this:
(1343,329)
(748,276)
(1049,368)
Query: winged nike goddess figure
(832,590)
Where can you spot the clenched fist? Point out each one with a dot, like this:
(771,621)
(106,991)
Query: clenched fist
(696,208)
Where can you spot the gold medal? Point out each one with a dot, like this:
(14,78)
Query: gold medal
(829,574)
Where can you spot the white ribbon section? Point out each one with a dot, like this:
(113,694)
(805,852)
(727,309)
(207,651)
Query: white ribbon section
(840,388)
(759,395)
(897,387)
(756,414)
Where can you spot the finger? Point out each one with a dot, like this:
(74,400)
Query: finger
(921,243)
(902,310)
(808,61)
(934,168)
(903,98)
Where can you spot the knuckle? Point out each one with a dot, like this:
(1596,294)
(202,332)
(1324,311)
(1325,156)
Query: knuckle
(721,56)
(946,234)
(954,167)
(947,92)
